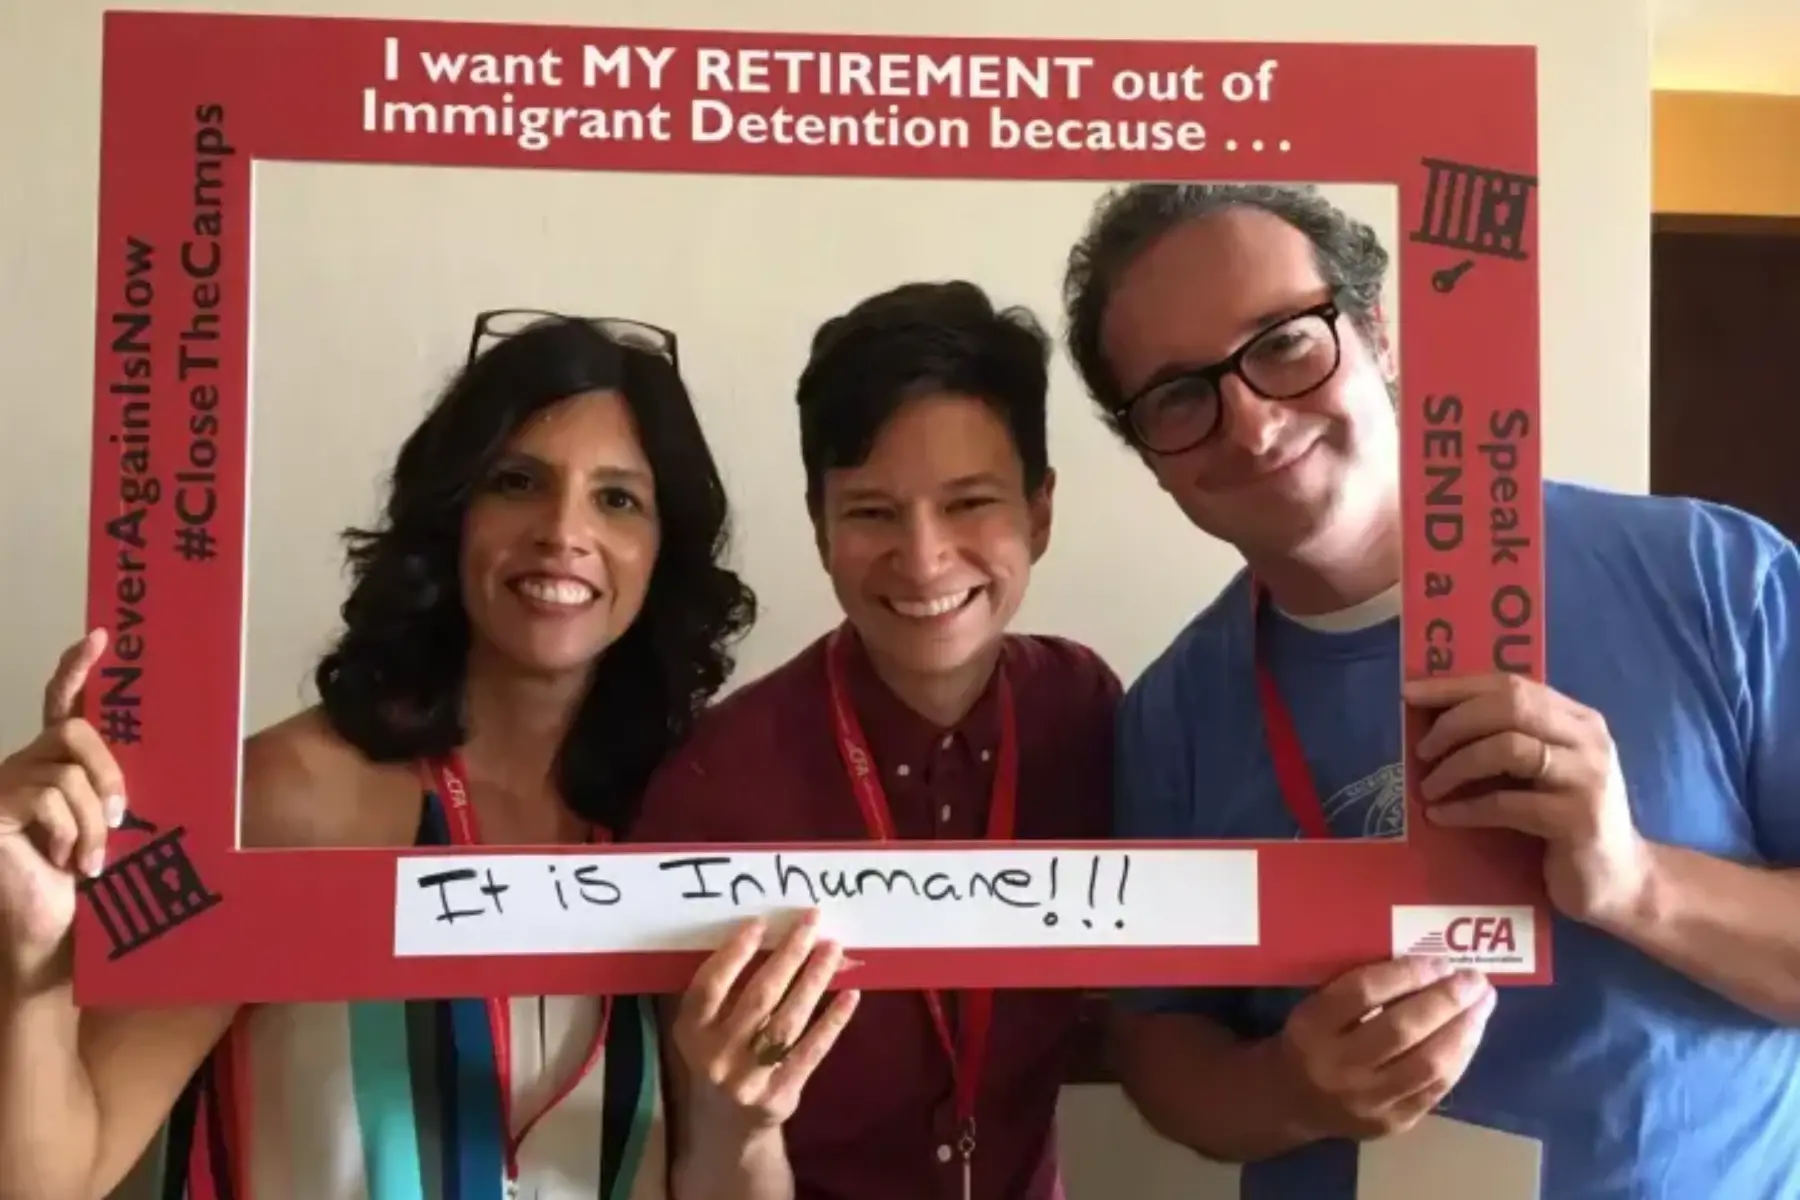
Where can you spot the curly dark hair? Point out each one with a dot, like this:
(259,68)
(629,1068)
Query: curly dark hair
(1128,221)
(392,685)
(913,340)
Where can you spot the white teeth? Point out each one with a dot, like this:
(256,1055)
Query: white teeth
(556,591)
(932,608)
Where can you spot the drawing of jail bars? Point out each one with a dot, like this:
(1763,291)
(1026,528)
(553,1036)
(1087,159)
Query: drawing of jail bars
(1476,209)
(150,891)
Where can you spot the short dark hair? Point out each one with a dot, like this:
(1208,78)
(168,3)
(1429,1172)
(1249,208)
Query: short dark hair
(1128,221)
(912,341)
(392,685)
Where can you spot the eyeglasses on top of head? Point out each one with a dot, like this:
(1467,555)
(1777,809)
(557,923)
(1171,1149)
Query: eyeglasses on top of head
(1182,407)
(501,323)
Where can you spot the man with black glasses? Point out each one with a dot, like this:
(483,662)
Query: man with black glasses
(1231,335)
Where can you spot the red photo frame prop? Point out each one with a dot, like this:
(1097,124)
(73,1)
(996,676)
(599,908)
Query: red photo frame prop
(190,101)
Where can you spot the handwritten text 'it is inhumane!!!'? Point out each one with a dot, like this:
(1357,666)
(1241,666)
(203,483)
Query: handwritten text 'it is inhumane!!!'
(877,898)
(942,100)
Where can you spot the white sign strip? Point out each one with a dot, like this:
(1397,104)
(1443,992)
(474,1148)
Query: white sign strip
(877,899)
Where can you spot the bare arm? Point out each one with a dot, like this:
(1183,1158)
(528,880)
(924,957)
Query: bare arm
(1197,1084)
(80,1097)
(1733,927)
(730,1101)
(1368,1054)
(753,1168)
(1729,927)
(727,1105)
(82,1094)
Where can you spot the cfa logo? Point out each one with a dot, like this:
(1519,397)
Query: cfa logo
(1494,939)
(860,766)
(1471,935)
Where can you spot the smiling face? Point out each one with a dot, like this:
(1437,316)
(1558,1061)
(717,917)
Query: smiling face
(561,539)
(1273,477)
(931,541)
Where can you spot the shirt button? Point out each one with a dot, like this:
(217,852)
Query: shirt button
(944,1153)
(984,756)
(903,770)
(944,813)
(949,740)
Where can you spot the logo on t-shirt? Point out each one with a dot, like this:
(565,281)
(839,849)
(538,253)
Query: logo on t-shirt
(1492,938)
(1373,806)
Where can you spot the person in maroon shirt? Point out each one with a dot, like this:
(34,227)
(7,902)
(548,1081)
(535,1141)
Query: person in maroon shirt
(923,433)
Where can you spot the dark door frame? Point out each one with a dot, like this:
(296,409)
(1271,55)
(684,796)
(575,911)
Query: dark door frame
(1716,223)
(1690,454)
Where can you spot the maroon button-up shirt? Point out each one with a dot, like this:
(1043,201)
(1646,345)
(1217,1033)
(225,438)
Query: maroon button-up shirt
(763,766)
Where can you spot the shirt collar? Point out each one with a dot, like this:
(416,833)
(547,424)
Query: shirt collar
(899,735)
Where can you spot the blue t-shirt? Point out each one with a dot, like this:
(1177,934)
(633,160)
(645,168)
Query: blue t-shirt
(1679,622)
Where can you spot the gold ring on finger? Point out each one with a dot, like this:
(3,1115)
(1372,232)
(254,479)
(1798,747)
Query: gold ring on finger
(768,1049)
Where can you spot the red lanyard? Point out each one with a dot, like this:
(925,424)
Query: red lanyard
(975,1010)
(451,782)
(1297,790)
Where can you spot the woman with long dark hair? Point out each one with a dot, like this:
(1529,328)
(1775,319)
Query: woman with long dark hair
(536,620)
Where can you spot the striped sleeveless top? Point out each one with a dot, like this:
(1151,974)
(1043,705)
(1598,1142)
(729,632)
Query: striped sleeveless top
(399,1100)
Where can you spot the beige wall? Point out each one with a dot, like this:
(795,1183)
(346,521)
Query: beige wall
(1595,170)
(1726,153)
(1726,46)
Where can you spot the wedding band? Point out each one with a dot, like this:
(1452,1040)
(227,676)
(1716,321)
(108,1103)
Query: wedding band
(768,1049)
(1543,770)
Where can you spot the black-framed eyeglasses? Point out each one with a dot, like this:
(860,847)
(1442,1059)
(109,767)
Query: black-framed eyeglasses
(1176,412)
(501,323)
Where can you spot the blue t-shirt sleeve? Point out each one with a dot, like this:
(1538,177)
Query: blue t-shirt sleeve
(1153,798)
(1772,686)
